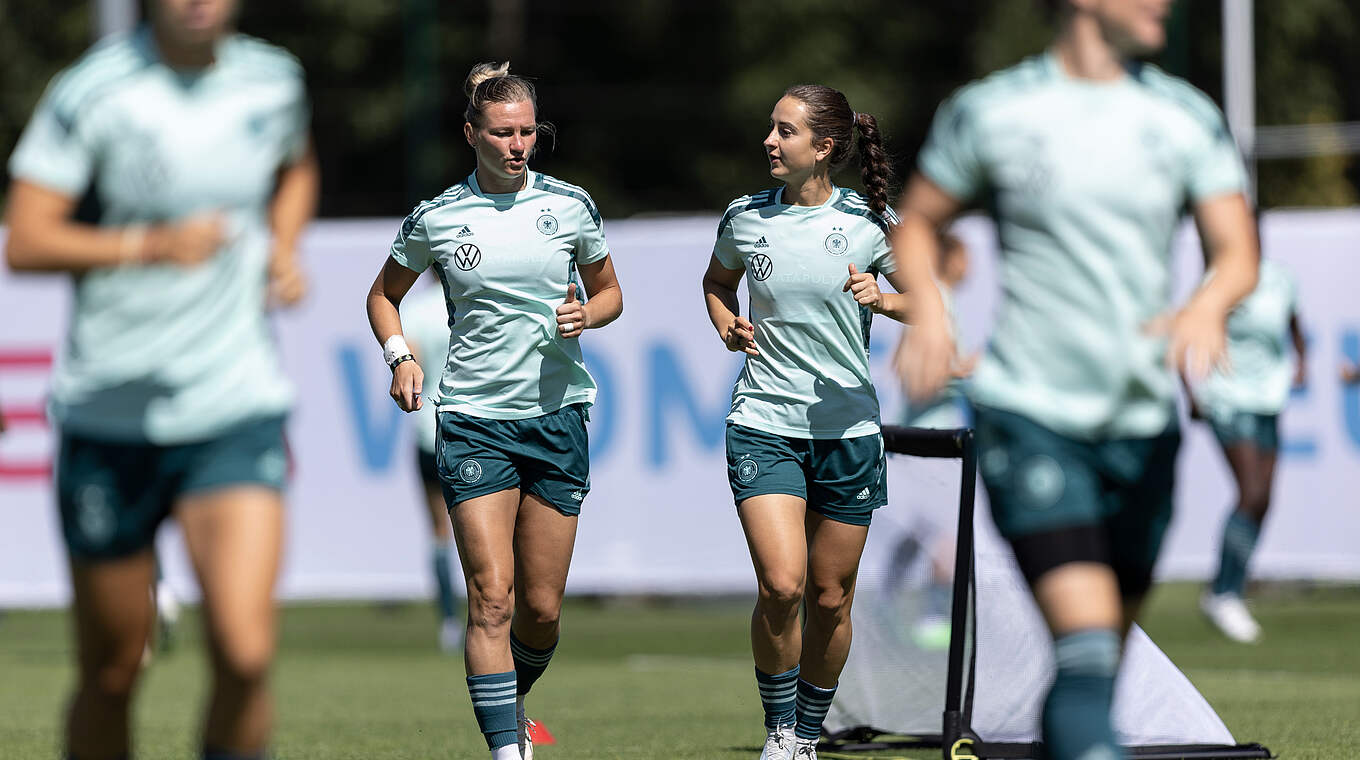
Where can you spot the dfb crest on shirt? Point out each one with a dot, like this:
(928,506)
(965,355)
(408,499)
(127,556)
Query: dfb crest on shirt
(547,224)
(836,244)
(761,266)
(467,256)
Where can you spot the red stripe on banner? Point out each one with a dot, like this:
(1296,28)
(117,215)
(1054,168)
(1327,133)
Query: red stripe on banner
(37,358)
(25,471)
(24,415)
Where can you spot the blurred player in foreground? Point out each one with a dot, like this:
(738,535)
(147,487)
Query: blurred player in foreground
(507,244)
(188,144)
(1087,158)
(425,321)
(1243,404)
(804,448)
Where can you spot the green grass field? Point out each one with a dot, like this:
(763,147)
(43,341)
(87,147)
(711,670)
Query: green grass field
(640,680)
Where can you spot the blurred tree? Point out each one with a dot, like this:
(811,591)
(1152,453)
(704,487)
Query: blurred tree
(661,105)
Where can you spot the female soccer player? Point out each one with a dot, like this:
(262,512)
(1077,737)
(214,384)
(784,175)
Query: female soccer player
(804,451)
(1086,158)
(1243,405)
(189,143)
(507,244)
(425,320)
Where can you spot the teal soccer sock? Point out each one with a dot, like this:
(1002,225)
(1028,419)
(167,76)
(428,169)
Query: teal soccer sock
(1239,541)
(1076,721)
(493,702)
(813,702)
(443,579)
(529,662)
(777,696)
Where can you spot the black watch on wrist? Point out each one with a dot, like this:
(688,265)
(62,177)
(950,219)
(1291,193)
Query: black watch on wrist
(399,360)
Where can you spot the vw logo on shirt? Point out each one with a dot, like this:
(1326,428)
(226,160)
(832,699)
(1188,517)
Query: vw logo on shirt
(467,256)
(760,266)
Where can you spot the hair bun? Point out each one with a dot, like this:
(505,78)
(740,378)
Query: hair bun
(482,72)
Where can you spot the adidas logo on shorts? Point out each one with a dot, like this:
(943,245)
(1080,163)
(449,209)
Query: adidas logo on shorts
(862,495)
(762,242)
(465,232)
(577,496)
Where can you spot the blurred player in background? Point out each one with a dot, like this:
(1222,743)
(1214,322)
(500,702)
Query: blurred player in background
(508,244)
(804,448)
(1087,159)
(425,320)
(946,409)
(170,172)
(1242,404)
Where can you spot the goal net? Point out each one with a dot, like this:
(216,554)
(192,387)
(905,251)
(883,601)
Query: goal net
(949,648)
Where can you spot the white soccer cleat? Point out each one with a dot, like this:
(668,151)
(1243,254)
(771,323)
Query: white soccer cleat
(526,741)
(806,750)
(779,743)
(451,635)
(1230,615)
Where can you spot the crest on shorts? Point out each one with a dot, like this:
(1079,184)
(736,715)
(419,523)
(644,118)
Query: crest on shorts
(836,243)
(547,224)
(746,470)
(470,471)
(1042,481)
(94,514)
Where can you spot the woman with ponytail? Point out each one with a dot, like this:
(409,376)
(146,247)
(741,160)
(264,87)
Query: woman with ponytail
(508,245)
(804,449)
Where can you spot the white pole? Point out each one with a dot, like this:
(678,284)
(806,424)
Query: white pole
(114,16)
(1239,80)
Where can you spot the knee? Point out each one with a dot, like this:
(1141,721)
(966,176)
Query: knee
(114,679)
(780,594)
(1255,500)
(490,606)
(829,606)
(245,658)
(541,608)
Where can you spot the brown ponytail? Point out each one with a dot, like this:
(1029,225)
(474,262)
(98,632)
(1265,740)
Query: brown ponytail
(829,115)
(875,169)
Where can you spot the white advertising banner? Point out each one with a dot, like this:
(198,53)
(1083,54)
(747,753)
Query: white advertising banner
(660,516)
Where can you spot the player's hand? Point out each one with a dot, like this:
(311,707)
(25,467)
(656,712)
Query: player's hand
(740,336)
(864,287)
(926,359)
(1350,374)
(407,380)
(188,242)
(571,315)
(287,280)
(1198,340)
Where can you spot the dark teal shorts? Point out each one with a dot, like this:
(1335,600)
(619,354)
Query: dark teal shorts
(548,456)
(1237,428)
(843,479)
(113,496)
(1059,499)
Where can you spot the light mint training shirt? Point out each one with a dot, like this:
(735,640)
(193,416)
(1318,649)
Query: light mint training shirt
(164,353)
(1087,182)
(1260,371)
(504,260)
(811,379)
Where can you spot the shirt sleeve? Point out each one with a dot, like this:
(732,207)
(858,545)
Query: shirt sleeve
(950,157)
(1214,166)
(57,149)
(299,122)
(725,248)
(590,243)
(411,249)
(884,261)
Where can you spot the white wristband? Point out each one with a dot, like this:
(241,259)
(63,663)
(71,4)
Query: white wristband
(394,347)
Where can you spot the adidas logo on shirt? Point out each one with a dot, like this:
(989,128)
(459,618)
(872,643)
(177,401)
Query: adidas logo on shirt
(862,495)
(465,232)
(762,242)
